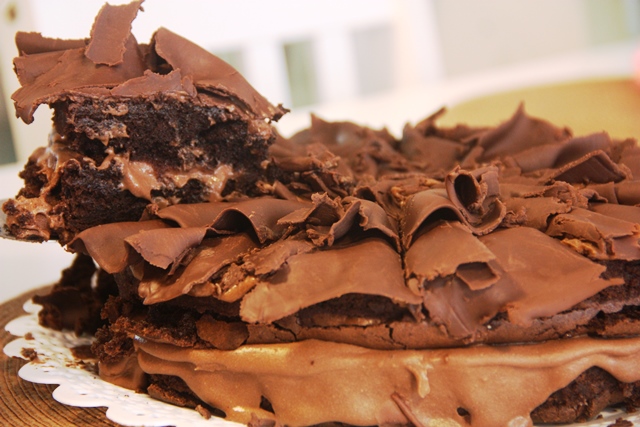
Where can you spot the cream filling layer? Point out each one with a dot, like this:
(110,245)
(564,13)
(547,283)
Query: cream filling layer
(139,178)
(311,382)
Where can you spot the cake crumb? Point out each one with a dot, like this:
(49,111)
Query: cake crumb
(206,414)
(29,354)
(82,352)
(621,423)
(29,336)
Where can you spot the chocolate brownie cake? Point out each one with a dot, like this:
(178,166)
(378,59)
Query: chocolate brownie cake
(165,122)
(452,276)
(421,280)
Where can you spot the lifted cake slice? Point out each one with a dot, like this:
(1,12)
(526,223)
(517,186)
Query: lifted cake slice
(133,124)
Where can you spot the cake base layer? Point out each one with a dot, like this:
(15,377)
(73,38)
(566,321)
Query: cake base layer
(465,386)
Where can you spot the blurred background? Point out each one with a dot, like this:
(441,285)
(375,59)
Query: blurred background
(382,62)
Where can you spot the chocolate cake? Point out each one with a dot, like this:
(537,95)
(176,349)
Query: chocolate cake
(451,276)
(165,122)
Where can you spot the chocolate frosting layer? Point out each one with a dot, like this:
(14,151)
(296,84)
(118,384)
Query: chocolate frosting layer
(418,387)
(109,34)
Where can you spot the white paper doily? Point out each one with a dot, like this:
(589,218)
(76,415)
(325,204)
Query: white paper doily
(80,386)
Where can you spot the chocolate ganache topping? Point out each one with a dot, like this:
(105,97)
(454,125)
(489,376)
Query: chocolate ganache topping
(505,237)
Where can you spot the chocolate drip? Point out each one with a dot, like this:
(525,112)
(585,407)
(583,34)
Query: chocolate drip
(409,387)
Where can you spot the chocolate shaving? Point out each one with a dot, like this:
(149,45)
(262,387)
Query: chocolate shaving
(110,32)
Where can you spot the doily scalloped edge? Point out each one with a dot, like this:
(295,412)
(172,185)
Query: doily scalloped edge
(78,383)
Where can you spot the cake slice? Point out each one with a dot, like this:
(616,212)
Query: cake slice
(133,124)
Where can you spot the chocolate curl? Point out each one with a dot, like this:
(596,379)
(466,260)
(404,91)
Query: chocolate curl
(263,214)
(424,209)
(462,310)
(74,73)
(429,153)
(461,284)
(302,158)
(472,198)
(29,43)
(519,133)
(556,155)
(193,214)
(208,259)
(533,212)
(330,220)
(434,254)
(110,31)
(566,279)
(628,192)
(166,246)
(596,235)
(270,259)
(368,151)
(212,74)
(326,274)
(28,68)
(630,156)
(151,83)
(621,212)
(477,196)
(49,69)
(596,167)
(107,243)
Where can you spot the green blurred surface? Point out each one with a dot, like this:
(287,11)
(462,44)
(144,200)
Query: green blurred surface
(588,106)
